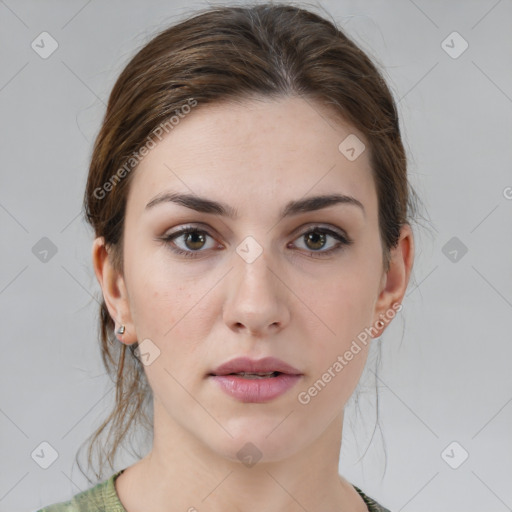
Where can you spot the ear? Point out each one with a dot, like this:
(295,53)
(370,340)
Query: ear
(114,291)
(394,282)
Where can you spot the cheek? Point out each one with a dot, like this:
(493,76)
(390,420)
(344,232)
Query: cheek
(169,307)
(157,298)
(345,305)
(162,312)
(338,359)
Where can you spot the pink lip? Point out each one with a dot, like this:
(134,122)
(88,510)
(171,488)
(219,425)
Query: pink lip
(255,390)
(246,364)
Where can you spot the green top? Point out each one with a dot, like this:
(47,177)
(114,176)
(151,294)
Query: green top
(103,498)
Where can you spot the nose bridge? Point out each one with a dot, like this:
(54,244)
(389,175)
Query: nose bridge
(253,259)
(256,299)
(254,276)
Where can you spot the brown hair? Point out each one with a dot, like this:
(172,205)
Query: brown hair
(231,53)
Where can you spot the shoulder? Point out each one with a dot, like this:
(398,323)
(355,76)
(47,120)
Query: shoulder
(372,505)
(100,498)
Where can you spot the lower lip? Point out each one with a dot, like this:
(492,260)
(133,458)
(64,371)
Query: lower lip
(256,390)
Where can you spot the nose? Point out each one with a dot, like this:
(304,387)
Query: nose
(257,299)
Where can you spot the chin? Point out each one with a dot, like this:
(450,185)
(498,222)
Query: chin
(257,442)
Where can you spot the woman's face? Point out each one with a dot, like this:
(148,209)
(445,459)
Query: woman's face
(266,279)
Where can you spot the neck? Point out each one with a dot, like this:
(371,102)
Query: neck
(182,473)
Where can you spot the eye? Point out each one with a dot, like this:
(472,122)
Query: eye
(193,240)
(316,238)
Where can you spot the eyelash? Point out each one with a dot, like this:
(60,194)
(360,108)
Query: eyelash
(344,241)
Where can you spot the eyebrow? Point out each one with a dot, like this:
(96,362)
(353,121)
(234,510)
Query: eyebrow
(204,205)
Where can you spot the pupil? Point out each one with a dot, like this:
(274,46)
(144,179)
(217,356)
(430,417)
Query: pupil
(188,240)
(313,236)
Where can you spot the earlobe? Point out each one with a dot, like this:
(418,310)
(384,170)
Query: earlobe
(114,291)
(395,280)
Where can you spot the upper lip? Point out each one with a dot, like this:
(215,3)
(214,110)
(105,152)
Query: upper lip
(248,365)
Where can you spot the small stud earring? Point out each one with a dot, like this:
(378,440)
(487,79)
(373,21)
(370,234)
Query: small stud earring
(120,330)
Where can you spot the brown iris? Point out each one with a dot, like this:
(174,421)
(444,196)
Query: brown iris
(194,238)
(315,241)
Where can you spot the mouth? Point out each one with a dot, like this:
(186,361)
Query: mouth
(266,368)
(255,381)
(255,387)
(247,375)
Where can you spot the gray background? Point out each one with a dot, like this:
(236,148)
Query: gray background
(445,373)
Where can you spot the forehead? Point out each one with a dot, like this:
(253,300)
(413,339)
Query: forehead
(258,146)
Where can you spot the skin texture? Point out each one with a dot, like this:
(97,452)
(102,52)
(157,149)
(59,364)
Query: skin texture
(201,312)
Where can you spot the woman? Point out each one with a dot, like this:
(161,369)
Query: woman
(248,192)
